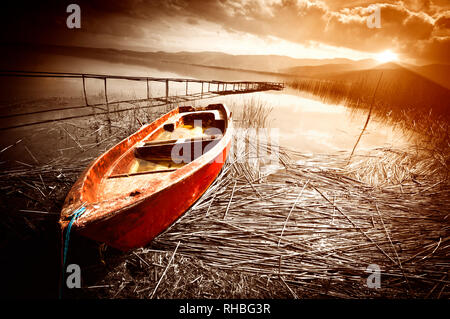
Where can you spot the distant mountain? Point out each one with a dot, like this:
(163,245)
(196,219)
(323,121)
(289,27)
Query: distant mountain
(265,63)
(439,73)
(19,55)
(261,63)
(327,69)
(402,84)
(429,75)
(436,73)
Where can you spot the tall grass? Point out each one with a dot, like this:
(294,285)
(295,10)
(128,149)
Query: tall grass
(252,113)
(421,109)
(395,95)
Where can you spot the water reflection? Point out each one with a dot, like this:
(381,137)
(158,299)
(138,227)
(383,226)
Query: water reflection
(305,124)
(311,126)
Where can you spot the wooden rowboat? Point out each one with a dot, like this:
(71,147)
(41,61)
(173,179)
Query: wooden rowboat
(138,188)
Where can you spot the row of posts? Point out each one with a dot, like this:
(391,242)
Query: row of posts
(221,87)
(224,86)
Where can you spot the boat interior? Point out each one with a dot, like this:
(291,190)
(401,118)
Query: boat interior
(158,150)
(180,140)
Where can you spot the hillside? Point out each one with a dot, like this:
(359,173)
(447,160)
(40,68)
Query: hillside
(17,55)
(325,70)
(401,89)
(402,82)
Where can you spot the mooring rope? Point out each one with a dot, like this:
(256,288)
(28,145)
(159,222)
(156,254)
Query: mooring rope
(74,218)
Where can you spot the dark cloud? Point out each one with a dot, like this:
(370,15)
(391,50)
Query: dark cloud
(192,21)
(435,50)
(443,22)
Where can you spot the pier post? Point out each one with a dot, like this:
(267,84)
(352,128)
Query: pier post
(84,92)
(167,90)
(87,104)
(237,86)
(107,107)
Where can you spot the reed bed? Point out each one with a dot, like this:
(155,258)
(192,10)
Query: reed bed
(398,92)
(417,106)
(307,227)
(252,113)
(386,167)
(318,230)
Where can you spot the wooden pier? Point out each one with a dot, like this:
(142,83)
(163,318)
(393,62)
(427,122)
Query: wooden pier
(209,88)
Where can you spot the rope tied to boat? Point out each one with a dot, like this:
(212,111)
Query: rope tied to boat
(74,217)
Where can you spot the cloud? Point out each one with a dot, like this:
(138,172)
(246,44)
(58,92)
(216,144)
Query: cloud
(419,28)
(406,27)
(436,49)
(192,21)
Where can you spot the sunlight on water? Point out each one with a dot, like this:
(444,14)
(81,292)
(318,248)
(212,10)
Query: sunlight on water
(304,124)
(311,126)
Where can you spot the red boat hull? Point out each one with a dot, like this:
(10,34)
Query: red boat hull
(139,224)
(127,210)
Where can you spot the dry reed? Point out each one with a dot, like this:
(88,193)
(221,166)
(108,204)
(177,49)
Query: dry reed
(310,229)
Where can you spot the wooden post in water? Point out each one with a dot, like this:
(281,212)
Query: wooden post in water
(202,89)
(187,87)
(87,104)
(148,91)
(167,90)
(107,107)
(84,92)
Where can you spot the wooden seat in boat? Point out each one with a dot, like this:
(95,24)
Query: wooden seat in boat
(174,147)
(187,150)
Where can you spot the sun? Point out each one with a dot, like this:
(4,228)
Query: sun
(386,56)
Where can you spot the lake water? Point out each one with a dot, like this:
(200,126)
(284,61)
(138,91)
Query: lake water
(310,126)
(304,124)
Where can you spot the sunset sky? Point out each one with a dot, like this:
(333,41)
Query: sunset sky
(415,30)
